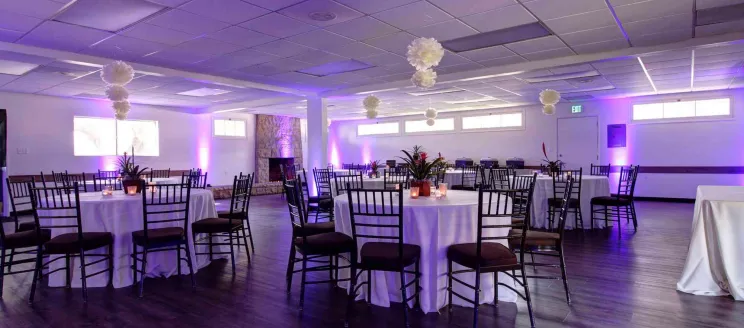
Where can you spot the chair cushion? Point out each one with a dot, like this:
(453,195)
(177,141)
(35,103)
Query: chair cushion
(26,212)
(27,238)
(492,255)
(610,201)
(461,187)
(535,238)
(157,236)
(68,243)
(326,203)
(558,202)
(384,256)
(517,221)
(215,225)
(326,243)
(309,229)
(26,226)
(228,215)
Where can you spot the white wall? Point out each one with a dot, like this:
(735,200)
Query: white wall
(43,126)
(715,143)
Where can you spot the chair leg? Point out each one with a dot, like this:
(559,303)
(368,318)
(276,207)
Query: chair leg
(563,274)
(619,231)
(606,217)
(449,284)
(232,252)
(134,266)
(592,218)
(302,284)
(250,235)
(178,260)
(2,271)
(111,264)
(527,297)
(352,288)
(369,287)
(37,271)
(405,297)
(477,298)
(579,218)
(495,288)
(635,217)
(83,276)
(330,268)
(418,287)
(144,268)
(188,262)
(211,255)
(290,268)
(532,256)
(68,276)
(245,244)
(10,259)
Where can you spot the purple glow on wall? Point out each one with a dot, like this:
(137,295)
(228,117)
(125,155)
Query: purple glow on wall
(204,143)
(107,163)
(335,159)
(284,136)
(366,153)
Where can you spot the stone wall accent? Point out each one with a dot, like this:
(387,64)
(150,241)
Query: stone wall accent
(276,136)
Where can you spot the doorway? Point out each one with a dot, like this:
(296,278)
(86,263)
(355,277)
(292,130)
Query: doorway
(578,142)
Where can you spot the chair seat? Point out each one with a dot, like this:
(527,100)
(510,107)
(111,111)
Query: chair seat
(328,243)
(384,256)
(216,225)
(310,229)
(228,215)
(558,202)
(158,236)
(535,238)
(26,226)
(28,238)
(20,213)
(610,201)
(68,243)
(461,187)
(494,256)
(517,221)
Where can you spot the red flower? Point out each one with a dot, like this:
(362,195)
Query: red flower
(423,156)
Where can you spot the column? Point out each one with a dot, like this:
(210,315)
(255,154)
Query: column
(317,137)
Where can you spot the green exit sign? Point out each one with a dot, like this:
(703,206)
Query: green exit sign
(576,109)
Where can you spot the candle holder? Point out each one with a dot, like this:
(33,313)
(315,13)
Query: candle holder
(107,191)
(442,189)
(131,190)
(414,192)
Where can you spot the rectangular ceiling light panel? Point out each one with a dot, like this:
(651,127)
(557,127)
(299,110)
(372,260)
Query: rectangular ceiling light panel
(108,15)
(497,37)
(560,77)
(203,92)
(15,68)
(335,68)
(435,92)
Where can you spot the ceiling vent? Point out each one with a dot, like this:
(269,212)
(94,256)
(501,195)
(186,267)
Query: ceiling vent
(578,98)
(322,16)
(497,37)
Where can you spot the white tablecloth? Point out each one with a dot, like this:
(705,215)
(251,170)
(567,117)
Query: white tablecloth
(433,224)
(591,186)
(369,183)
(715,259)
(121,215)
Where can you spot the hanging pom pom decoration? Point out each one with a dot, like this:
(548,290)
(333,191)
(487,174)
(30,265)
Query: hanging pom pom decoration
(425,78)
(548,109)
(117,73)
(549,98)
(116,92)
(430,113)
(371,114)
(424,53)
(430,121)
(371,103)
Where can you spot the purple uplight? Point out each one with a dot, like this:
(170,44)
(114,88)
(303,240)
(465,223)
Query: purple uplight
(335,160)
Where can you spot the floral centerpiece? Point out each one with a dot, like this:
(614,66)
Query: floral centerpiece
(374,167)
(553,166)
(131,175)
(420,168)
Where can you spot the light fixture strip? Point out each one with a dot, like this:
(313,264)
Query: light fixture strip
(375,91)
(648,76)
(228,110)
(692,72)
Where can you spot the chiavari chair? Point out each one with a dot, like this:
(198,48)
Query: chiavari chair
(468,179)
(100,183)
(522,182)
(438,175)
(619,205)
(321,205)
(341,181)
(376,218)
(59,208)
(560,179)
(325,193)
(396,177)
(499,179)
(109,174)
(488,254)
(159,174)
(239,205)
(20,202)
(197,180)
(601,170)
(69,179)
(165,228)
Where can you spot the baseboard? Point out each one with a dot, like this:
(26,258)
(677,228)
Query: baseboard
(665,200)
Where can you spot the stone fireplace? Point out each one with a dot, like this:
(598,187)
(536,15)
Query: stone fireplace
(278,142)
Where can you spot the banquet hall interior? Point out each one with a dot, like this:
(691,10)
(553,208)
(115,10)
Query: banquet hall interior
(371,163)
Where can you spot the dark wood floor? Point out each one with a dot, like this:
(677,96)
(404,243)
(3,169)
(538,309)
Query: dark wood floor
(615,282)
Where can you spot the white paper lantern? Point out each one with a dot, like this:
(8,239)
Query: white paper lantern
(116,92)
(430,113)
(424,53)
(549,109)
(118,73)
(430,121)
(371,103)
(549,97)
(425,78)
(371,114)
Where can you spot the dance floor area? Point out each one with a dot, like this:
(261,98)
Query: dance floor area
(626,281)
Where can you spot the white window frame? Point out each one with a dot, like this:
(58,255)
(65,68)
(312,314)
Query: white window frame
(454,126)
(730,116)
(116,136)
(400,129)
(496,112)
(214,131)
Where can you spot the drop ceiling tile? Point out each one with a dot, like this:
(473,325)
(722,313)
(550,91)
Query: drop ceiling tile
(547,54)
(673,22)
(318,57)
(35,8)
(611,32)
(122,47)
(371,7)
(459,8)
(184,21)
(662,37)
(173,57)
(720,28)
(443,31)
(645,10)
(502,61)
(385,59)
(498,19)
(207,46)
(550,9)
(17,23)
(667,55)
(303,10)
(242,36)
(413,15)
(5,78)
(158,34)
(110,15)
(278,25)
(170,3)
(733,64)
(362,28)
(601,46)
(651,66)
(355,50)
(571,69)
(581,22)
(230,11)
(720,50)
(63,36)
(670,70)
(487,53)
(459,68)
(10,36)
(320,39)
(395,43)
(535,45)
(706,4)
(709,59)
(282,48)
(373,72)
(273,4)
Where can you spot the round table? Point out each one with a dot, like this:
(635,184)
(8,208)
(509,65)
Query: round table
(369,183)
(121,214)
(591,186)
(171,180)
(434,224)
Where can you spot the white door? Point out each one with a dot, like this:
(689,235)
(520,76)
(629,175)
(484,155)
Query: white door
(578,142)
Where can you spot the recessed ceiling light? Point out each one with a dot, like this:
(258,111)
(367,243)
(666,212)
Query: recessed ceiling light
(203,92)
(322,16)
(560,77)
(640,61)
(15,68)
(376,91)
(435,92)
(75,62)
(109,15)
(470,101)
